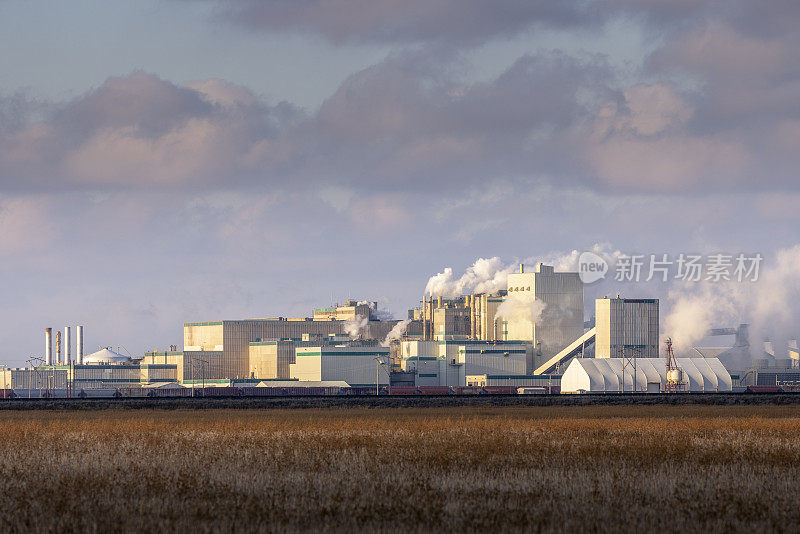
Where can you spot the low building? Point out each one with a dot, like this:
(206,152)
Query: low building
(447,363)
(232,338)
(616,375)
(350,311)
(190,364)
(271,358)
(91,376)
(356,365)
(494,358)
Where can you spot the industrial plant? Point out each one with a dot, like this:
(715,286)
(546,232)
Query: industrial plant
(531,337)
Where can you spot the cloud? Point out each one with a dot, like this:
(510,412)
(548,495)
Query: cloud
(402,21)
(713,107)
(141,131)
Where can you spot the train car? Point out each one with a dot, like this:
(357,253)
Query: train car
(435,390)
(226,391)
(764,389)
(404,390)
(468,390)
(500,390)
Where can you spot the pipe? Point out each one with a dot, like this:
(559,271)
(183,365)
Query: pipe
(471,306)
(433,320)
(48,346)
(424,317)
(79,343)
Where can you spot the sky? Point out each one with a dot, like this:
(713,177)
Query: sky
(186,160)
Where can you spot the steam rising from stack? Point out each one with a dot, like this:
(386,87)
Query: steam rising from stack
(770,305)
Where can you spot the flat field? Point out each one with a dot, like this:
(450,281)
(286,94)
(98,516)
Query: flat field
(514,468)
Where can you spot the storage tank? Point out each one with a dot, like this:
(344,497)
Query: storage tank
(675,376)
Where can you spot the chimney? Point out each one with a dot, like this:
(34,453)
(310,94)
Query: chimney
(67,345)
(48,346)
(80,345)
(58,348)
(521,268)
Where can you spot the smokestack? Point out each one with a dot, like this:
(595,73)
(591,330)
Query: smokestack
(439,302)
(58,348)
(521,268)
(67,345)
(48,346)
(433,323)
(79,345)
(424,317)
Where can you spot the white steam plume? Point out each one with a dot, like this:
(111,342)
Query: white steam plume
(489,275)
(520,307)
(356,327)
(770,305)
(485,275)
(396,332)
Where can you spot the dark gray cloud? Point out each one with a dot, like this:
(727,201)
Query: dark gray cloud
(404,21)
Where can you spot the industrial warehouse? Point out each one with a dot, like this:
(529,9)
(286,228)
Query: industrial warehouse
(472,344)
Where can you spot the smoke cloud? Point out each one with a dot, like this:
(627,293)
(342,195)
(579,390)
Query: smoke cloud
(520,307)
(486,275)
(396,333)
(489,275)
(357,327)
(771,305)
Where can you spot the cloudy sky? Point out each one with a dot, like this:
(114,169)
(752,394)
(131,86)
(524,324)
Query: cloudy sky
(165,161)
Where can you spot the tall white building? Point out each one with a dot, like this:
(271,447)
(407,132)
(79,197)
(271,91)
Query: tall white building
(626,327)
(544,307)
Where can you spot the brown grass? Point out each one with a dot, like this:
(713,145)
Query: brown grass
(687,468)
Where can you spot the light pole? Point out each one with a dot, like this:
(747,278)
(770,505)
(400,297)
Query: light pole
(31,361)
(5,368)
(202,373)
(378,363)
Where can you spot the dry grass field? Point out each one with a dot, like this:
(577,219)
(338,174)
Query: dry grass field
(596,469)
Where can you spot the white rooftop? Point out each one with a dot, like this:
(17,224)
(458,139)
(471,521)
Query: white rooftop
(106,355)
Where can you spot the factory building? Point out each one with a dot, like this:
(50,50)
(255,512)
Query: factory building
(189,365)
(356,365)
(271,358)
(104,369)
(616,375)
(232,338)
(625,327)
(491,359)
(447,363)
(433,363)
(559,300)
(469,317)
(350,311)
